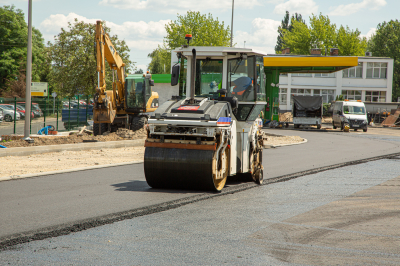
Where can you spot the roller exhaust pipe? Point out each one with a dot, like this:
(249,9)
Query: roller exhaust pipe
(192,76)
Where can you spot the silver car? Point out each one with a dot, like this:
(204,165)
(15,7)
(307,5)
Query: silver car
(1,116)
(8,113)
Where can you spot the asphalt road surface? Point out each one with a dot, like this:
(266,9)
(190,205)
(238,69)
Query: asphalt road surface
(283,223)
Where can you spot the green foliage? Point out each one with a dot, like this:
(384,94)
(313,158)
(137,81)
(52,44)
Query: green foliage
(160,61)
(348,42)
(324,35)
(140,71)
(299,39)
(325,108)
(205,30)
(73,57)
(386,43)
(285,25)
(339,98)
(13,49)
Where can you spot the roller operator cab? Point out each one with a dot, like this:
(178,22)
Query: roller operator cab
(211,130)
(351,114)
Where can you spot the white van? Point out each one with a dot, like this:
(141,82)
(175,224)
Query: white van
(350,112)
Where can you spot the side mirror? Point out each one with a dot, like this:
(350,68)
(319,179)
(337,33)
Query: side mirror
(175,75)
(151,82)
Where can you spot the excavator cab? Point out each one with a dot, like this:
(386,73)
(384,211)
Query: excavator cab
(137,92)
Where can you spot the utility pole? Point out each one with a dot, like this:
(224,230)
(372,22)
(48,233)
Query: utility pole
(28,78)
(232,22)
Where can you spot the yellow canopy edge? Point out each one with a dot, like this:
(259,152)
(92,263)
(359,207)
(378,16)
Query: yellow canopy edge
(310,61)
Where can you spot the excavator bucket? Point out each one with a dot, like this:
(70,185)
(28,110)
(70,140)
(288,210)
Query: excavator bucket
(105,114)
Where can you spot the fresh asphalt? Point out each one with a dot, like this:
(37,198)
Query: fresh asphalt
(62,200)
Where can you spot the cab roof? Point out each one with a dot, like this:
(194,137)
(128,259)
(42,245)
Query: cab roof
(218,51)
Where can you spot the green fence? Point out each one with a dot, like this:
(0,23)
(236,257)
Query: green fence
(63,114)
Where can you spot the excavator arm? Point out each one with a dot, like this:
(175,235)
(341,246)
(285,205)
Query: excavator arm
(107,101)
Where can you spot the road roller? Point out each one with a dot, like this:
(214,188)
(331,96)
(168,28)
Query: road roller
(211,130)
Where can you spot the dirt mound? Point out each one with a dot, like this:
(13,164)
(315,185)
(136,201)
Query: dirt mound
(121,134)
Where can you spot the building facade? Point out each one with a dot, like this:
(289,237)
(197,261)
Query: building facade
(370,81)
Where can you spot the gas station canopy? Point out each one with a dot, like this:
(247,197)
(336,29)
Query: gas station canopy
(308,64)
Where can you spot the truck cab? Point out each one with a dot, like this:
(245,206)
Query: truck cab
(351,113)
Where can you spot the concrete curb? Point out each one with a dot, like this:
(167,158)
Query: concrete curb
(24,151)
(13,177)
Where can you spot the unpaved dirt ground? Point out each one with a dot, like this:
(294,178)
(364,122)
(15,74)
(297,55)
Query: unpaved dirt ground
(74,138)
(20,165)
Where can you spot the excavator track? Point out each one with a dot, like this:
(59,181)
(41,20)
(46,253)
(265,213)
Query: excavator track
(171,168)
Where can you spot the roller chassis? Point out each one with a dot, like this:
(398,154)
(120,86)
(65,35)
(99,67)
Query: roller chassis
(173,144)
(208,133)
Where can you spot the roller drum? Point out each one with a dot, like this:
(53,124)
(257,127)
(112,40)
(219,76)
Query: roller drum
(179,168)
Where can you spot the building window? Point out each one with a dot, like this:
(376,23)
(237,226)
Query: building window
(324,75)
(351,95)
(354,72)
(301,75)
(283,96)
(376,70)
(283,74)
(375,96)
(327,95)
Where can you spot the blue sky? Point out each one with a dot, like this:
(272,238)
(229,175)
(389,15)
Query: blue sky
(141,22)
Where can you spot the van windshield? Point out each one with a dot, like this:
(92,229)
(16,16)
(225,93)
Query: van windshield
(354,110)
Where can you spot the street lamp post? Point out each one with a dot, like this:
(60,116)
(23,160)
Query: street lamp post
(28,77)
(232,22)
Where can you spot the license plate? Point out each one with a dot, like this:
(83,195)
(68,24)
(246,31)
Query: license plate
(356,126)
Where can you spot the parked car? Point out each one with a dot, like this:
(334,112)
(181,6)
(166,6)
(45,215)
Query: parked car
(9,113)
(21,109)
(12,107)
(35,108)
(1,115)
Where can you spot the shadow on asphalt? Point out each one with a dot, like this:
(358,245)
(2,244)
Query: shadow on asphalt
(142,186)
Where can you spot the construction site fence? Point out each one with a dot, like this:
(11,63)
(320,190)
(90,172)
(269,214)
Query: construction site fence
(63,114)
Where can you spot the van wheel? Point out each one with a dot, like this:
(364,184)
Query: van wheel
(365,129)
(319,126)
(341,126)
(333,125)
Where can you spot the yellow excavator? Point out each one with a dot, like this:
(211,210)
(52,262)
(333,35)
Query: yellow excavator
(131,99)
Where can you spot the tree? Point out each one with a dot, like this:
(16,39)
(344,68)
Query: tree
(386,42)
(324,35)
(13,50)
(205,30)
(73,57)
(140,71)
(280,44)
(348,42)
(160,61)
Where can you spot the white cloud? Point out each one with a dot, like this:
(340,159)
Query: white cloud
(143,67)
(179,6)
(369,33)
(141,37)
(138,35)
(304,7)
(262,36)
(54,23)
(345,10)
